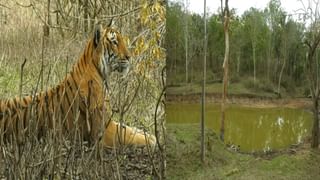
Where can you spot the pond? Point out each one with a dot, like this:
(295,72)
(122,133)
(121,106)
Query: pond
(251,129)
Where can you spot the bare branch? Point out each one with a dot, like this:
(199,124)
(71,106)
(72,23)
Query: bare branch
(21,76)
(122,14)
(25,6)
(1,5)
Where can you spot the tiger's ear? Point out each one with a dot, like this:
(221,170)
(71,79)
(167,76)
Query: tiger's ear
(97,35)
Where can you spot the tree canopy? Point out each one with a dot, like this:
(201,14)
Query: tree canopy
(266,47)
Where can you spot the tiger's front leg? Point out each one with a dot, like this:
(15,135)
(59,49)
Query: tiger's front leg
(114,135)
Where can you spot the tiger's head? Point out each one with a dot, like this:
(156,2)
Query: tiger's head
(110,51)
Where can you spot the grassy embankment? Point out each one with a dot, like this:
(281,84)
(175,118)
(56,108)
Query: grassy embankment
(244,87)
(183,157)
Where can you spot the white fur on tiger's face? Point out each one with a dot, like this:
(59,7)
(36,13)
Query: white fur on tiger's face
(115,55)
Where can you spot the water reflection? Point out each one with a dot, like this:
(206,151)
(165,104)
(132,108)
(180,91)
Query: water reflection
(253,129)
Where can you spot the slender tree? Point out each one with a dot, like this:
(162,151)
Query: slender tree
(225,66)
(186,37)
(204,82)
(312,16)
(285,32)
(46,28)
(254,47)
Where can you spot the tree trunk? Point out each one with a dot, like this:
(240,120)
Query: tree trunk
(46,25)
(225,68)
(269,59)
(186,38)
(280,77)
(203,85)
(283,66)
(192,71)
(313,71)
(254,59)
(175,61)
(315,128)
(238,63)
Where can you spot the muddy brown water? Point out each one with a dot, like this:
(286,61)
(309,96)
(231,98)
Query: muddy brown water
(249,128)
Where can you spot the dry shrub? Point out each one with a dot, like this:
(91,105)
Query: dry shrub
(136,100)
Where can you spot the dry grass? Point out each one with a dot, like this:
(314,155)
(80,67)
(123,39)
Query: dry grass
(56,157)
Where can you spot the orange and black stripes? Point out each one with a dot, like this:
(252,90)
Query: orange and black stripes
(57,102)
(78,101)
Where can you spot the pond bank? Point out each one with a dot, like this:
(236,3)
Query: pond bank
(183,159)
(242,99)
(248,129)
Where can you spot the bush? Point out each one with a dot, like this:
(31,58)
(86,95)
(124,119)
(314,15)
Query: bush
(259,85)
(289,84)
(266,85)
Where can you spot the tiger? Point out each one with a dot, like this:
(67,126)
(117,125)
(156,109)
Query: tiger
(78,101)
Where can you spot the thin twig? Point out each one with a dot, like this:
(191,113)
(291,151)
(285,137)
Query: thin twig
(5,6)
(155,118)
(47,160)
(21,76)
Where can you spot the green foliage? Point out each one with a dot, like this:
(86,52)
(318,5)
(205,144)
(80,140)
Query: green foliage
(259,85)
(267,37)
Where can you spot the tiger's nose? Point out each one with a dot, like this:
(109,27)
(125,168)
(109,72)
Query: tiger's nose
(125,57)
